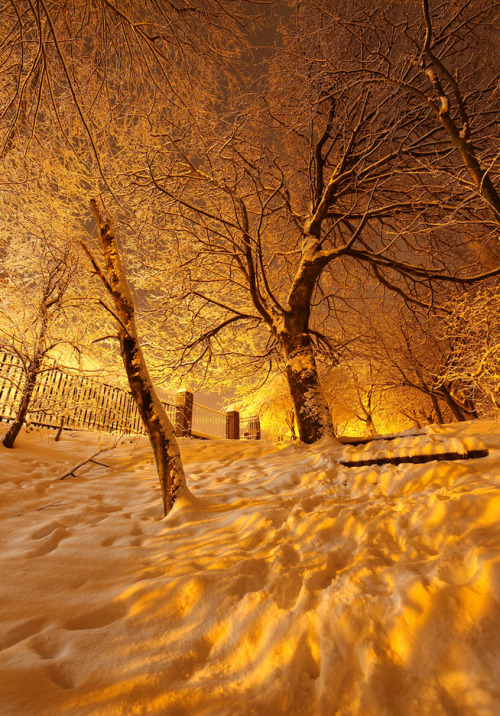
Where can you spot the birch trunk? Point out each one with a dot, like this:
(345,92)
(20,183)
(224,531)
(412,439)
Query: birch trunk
(160,430)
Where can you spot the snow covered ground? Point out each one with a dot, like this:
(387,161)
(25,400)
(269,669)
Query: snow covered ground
(284,584)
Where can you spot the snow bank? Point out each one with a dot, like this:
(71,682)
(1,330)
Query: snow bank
(284,583)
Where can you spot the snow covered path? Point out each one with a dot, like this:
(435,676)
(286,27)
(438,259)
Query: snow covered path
(284,584)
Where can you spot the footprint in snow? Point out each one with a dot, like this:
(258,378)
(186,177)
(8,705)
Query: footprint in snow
(138,536)
(20,632)
(322,578)
(42,532)
(151,573)
(51,541)
(62,675)
(98,497)
(107,508)
(47,645)
(97,618)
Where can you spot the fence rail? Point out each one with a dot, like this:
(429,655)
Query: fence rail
(77,402)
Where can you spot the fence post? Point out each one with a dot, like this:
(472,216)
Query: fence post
(232,423)
(183,413)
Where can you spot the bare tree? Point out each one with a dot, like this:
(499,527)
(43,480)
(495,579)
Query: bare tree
(444,57)
(366,391)
(81,61)
(271,209)
(321,180)
(30,318)
(413,347)
(81,82)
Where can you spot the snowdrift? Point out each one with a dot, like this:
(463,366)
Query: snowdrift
(284,583)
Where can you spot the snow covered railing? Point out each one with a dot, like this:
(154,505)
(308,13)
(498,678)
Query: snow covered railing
(199,421)
(11,383)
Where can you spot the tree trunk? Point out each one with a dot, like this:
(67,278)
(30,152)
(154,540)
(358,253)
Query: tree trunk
(160,431)
(471,409)
(370,425)
(12,433)
(479,174)
(312,413)
(290,423)
(460,138)
(59,431)
(437,409)
(311,409)
(453,405)
(460,411)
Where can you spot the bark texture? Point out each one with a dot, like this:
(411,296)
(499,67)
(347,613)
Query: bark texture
(34,364)
(311,409)
(460,136)
(312,413)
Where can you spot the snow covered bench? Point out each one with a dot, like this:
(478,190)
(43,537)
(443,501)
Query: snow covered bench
(413,449)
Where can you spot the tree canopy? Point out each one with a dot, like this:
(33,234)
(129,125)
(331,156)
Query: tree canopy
(272,171)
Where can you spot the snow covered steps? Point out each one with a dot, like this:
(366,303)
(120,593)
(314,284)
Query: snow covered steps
(413,449)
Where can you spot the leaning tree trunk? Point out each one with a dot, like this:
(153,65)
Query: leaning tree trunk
(311,409)
(13,431)
(160,431)
(158,427)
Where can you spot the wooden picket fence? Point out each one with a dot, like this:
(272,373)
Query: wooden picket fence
(71,401)
(81,403)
